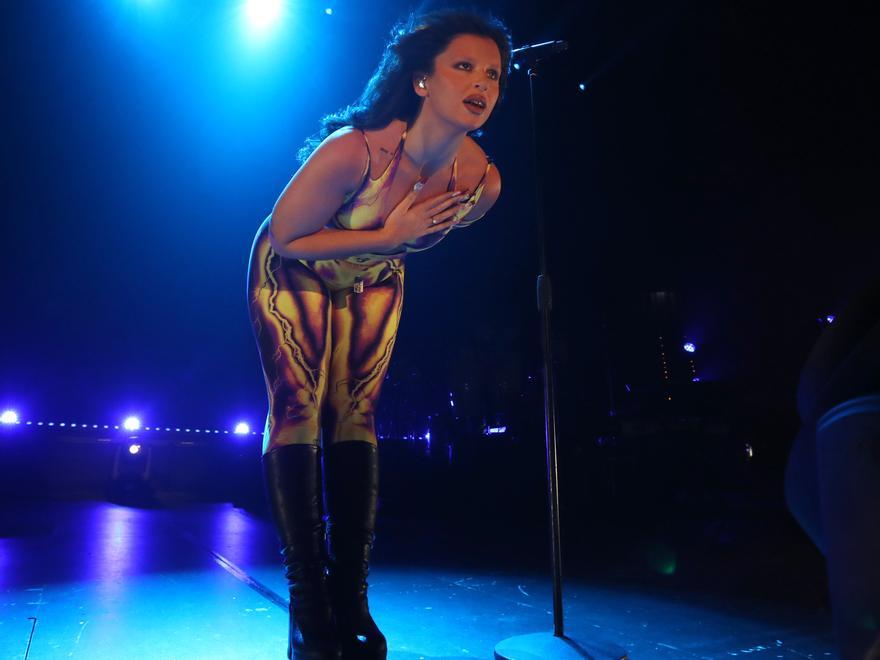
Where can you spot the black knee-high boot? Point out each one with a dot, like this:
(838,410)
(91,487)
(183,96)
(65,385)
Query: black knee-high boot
(352,488)
(292,477)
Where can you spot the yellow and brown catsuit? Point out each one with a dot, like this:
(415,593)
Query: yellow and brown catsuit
(325,329)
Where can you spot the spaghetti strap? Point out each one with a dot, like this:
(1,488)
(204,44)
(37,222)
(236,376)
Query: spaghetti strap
(369,150)
(485,172)
(394,157)
(366,174)
(453,176)
(482,178)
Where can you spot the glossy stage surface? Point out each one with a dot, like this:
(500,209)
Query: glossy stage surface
(94,580)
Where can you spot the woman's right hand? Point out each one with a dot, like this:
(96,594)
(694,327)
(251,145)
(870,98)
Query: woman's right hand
(408,221)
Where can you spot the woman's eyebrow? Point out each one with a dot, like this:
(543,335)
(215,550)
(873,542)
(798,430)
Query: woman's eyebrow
(468,58)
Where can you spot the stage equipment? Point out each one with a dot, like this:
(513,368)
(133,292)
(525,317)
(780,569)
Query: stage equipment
(547,645)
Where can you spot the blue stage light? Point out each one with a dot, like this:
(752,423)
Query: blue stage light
(689,347)
(134,449)
(9,417)
(242,429)
(582,86)
(262,14)
(830,319)
(131,423)
(329,11)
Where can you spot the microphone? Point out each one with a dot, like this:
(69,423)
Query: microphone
(537,51)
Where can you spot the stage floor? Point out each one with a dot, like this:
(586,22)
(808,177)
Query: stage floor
(95,580)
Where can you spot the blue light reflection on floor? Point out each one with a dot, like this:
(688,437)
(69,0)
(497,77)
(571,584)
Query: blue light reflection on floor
(108,581)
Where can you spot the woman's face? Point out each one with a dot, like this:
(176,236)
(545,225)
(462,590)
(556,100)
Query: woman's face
(464,87)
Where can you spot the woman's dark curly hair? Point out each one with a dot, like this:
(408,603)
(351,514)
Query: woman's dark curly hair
(412,48)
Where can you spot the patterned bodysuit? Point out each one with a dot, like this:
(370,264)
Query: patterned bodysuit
(325,329)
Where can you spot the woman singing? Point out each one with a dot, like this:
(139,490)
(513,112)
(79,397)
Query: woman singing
(391,175)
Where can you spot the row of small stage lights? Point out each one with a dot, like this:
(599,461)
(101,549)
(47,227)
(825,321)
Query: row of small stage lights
(10,417)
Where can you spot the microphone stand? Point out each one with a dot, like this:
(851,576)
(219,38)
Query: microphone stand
(545,645)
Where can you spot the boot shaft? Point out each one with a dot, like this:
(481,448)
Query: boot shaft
(351,474)
(292,480)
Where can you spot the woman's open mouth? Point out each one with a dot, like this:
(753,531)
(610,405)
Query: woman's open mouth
(476,104)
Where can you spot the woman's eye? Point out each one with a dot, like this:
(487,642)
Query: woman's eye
(467,66)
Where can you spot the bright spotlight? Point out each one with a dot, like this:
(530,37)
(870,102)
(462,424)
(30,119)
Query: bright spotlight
(329,11)
(131,423)
(689,347)
(261,14)
(134,449)
(9,417)
(242,429)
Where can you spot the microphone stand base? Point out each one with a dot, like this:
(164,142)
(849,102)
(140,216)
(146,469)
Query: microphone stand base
(544,646)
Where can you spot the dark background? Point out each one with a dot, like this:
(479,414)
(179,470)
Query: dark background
(722,154)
